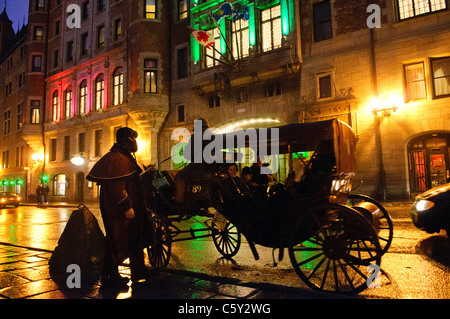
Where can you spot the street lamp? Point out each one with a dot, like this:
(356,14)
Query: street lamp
(78,159)
(379,108)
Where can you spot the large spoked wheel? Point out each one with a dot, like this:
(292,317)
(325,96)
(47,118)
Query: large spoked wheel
(338,255)
(227,241)
(381,219)
(161,248)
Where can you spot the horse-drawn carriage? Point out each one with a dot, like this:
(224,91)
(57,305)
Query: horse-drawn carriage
(332,236)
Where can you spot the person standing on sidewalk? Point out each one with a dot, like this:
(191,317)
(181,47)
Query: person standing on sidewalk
(122,208)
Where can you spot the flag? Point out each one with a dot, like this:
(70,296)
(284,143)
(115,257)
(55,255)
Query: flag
(241,14)
(204,38)
(225,10)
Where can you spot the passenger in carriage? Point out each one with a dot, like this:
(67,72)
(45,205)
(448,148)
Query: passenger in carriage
(233,185)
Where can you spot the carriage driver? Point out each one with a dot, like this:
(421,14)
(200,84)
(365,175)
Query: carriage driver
(198,167)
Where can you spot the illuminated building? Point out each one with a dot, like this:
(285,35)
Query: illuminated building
(134,62)
(391,84)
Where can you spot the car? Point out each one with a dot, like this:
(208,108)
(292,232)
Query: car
(431,210)
(8,198)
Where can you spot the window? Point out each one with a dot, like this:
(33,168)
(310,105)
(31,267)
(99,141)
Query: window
(5,159)
(441,77)
(59,185)
(415,82)
(182,9)
(57,27)
(7,122)
(21,79)
(38,33)
(118,29)
(82,101)
(240,38)
(99,91)
(180,114)
(150,75)
(84,43)
(212,57)
(273,89)
(118,86)
(40,5)
(82,142)
(85,10)
(55,58)
(150,9)
(66,150)
(324,86)
(322,21)
(68,102)
(37,63)
(35,112)
(69,53)
(98,136)
(55,106)
(214,101)
(100,5)
(412,8)
(182,63)
(271,28)
(20,116)
(52,151)
(100,37)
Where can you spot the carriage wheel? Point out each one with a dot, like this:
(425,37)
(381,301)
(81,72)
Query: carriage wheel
(386,227)
(227,241)
(336,258)
(161,249)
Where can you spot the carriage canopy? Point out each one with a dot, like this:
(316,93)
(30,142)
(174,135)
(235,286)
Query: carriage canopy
(299,137)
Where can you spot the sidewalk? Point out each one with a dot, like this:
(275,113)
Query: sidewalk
(24,274)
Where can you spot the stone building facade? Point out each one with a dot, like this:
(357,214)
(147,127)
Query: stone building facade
(382,66)
(391,84)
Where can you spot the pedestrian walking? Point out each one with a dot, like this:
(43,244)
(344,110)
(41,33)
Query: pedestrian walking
(39,194)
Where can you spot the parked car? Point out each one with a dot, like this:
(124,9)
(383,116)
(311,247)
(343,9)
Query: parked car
(431,210)
(7,198)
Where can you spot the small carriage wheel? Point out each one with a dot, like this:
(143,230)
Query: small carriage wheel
(386,227)
(338,255)
(227,241)
(161,248)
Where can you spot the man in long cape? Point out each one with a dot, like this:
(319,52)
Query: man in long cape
(122,207)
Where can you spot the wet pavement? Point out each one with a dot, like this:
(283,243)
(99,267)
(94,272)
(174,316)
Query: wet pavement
(24,274)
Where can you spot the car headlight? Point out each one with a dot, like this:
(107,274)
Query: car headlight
(423,204)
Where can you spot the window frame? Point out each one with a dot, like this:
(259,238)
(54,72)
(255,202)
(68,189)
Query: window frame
(430,6)
(406,83)
(433,78)
(153,71)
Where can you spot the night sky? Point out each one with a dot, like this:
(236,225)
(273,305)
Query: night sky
(16,10)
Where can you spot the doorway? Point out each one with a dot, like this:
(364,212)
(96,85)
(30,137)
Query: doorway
(79,187)
(429,164)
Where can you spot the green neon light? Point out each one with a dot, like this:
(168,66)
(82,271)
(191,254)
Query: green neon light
(284,17)
(195,48)
(251,24)
(223,37)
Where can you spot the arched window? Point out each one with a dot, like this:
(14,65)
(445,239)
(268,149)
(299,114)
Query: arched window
(118,86)
(55,106)
(82,102)
(99,90)
(68,102)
